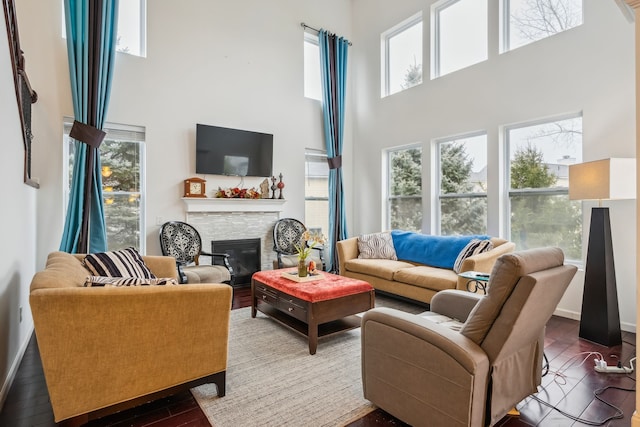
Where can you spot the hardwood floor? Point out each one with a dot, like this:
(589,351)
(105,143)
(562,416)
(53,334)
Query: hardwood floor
(27,403)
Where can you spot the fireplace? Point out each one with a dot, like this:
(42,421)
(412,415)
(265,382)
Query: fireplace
(244,257)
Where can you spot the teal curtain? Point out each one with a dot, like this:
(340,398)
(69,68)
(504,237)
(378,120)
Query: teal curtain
(333,64)
(91,40)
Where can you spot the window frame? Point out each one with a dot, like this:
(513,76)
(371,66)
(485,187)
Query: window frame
(309,153)
(388,196)
(385,50)
(313,40)
(118,130)
(438,168)
(548,191)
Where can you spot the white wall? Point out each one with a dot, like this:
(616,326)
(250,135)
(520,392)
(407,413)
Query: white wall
(18,217)
(589,68)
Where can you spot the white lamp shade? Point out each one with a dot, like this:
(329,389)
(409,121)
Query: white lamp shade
(603,179)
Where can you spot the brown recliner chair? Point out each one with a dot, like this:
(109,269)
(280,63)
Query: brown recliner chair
(426,371)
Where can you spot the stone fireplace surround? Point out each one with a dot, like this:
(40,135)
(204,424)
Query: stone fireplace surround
(225,219)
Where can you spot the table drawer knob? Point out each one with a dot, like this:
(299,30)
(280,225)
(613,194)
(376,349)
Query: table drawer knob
(264,297)
(290,308)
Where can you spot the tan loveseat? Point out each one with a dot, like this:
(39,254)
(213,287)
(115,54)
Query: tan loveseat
(107,349)
(409,279)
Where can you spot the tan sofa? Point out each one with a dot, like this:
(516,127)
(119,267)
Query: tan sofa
(108,349)
(409,279)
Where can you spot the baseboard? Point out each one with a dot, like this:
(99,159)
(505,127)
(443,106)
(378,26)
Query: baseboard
(625,326)
(14,369)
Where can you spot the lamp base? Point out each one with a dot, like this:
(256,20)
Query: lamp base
(600,318)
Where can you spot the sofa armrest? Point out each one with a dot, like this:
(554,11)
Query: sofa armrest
(101,346)
(483,262)
(410,363)
(347,249)
(454,303)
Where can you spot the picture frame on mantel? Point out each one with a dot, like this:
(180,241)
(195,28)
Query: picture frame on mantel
(25,95)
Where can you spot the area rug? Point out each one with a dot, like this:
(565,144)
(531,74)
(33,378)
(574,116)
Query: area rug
(272,380)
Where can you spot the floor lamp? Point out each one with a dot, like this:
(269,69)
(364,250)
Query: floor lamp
(606,179)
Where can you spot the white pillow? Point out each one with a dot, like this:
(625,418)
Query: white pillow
(376,246)
(474,247)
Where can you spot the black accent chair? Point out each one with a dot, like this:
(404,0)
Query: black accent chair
(287,233)
(182,241)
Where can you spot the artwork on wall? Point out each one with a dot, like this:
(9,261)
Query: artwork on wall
(25,95)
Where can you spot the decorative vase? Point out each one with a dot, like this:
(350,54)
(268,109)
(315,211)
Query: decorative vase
(302,268)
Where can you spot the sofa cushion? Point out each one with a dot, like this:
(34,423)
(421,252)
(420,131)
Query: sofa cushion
(435,251)
(474,247)
(122,263)
(437,279)
(376,246)
(128,281)
(382,268)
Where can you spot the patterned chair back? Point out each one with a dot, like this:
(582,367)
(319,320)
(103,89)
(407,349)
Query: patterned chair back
(287,233)
(181,241)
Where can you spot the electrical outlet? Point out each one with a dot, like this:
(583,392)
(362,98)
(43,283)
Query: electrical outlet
(613,370)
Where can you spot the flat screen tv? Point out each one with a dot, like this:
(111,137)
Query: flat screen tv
(225,151)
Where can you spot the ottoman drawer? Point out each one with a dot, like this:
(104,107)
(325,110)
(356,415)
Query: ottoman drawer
(294,307)
(264,294)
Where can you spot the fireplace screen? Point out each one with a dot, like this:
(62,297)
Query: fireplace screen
(244,257)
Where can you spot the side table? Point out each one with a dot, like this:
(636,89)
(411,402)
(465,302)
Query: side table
(477,281)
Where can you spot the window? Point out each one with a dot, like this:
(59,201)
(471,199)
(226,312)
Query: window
(541,214)
(402,56)
(132,27)
(312,82)
(404,181)
(316,191)
(527,21)
(463,185)
(459,35)
(122,161)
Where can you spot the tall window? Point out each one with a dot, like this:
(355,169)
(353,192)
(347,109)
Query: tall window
(459,35)
(402,56)
(463,185)
(122,159)
(527,21)
(316,191)
(541,213)
(312,83)
(132,27)
(405,189)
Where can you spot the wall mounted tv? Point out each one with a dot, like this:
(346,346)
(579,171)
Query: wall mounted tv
(225,151)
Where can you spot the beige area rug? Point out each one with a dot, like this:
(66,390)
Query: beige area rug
(272,380)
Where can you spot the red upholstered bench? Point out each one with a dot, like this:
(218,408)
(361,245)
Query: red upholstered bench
(316,308)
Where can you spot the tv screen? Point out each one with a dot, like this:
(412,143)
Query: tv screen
(225,151)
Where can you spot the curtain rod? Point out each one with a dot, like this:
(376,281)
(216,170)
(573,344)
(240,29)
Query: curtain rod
(305,26)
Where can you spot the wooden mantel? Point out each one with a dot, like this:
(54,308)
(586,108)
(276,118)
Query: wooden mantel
(211,204)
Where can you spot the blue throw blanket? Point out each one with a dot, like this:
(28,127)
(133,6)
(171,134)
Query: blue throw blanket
(435,251)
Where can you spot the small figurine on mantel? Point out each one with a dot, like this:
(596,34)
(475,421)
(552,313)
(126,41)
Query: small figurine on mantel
(274,187)
(280,186)
(264,189)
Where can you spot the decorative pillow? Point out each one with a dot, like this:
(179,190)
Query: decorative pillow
(376,246)
(127,281)
(122,263)
(474,247)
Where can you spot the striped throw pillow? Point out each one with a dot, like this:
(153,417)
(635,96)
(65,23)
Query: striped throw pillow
(128,281)
(474,247)
(376,246)
(122,263)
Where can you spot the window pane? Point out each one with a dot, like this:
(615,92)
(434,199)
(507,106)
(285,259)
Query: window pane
(312,82)
(120,165)
(540,155)
(404,58)
(316,192)
(460,35)
(406,213)
(533,20)
(405,189)
(463,215)
(122,215)
(547,220)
